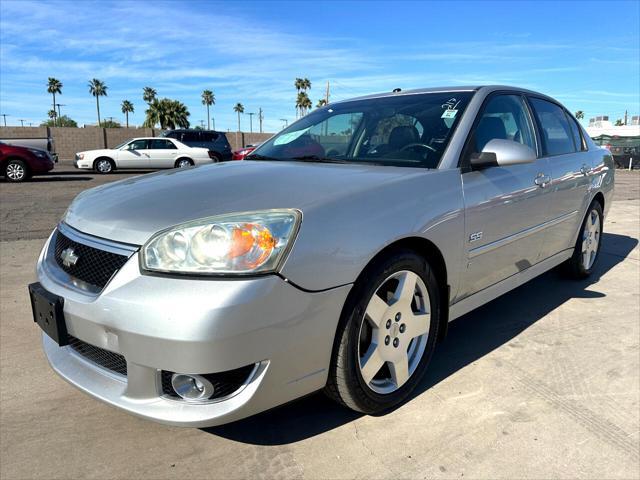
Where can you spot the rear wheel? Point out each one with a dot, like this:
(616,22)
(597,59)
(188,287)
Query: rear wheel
(103,165)
(16,171)
(387,335)
(587,248)
(184,162)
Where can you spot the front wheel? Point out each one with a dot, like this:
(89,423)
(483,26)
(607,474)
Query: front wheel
(387,335)
(16,171)
(103,165)
(587,247)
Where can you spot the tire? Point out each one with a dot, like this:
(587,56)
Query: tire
(587,247)
(16,171)
(216,158)
(104,165)
(373,390)
(183,163)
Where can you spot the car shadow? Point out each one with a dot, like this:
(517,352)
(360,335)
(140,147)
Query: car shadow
(469,338)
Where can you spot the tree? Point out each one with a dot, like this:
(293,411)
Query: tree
(127,108)
(208,99)
(619,123)
(62,121)
(52,115)
(579,114)
(303,103)
(54,86)
(110,124)
(238,108)
(98,89)
(168,113)
(321,103)
(148,94)
(306,84)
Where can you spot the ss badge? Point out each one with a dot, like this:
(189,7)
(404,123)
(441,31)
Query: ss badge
(475,236)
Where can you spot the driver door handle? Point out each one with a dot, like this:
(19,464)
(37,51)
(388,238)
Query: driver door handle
(542,180)
(584,170)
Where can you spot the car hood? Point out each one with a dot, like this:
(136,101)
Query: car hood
(134,209)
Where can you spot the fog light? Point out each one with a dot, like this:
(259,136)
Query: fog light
(192,387)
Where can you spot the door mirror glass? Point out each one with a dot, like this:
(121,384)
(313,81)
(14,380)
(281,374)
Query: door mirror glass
(502,153)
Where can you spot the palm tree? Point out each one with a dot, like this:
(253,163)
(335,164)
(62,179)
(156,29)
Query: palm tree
(579,114)
(299,84)
(127,108)
(168,113)
(303,103)
(54,86)
(98,89)
(208,99)
(52,115)
(306,84)
(238,108)
(148,94)
(321,103)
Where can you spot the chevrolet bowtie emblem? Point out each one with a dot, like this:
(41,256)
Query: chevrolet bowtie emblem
(69,257)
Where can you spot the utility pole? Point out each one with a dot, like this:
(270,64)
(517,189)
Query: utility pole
(286,122)
(251,114)
(5,115)
(326,96)
(213,122)
(202,124)
(22,122)
(60,105)
(625,117)
(260,117)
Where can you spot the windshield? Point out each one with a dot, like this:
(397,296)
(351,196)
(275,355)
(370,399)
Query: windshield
(401,130)
(117,147)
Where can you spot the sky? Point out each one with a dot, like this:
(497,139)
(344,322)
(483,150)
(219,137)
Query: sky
(585,54)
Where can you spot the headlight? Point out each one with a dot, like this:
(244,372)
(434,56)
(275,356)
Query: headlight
(244,243)
(80,156)
(38,153)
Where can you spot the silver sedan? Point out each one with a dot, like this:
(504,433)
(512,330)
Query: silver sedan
(332,258)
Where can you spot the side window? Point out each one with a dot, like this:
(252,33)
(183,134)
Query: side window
(171,135)
(159,144)
(190,137)
(209,136)
(504,117)
(577,137)
(137,145)
(557,138)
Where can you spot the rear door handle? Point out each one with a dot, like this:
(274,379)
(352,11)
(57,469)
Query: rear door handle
(542,180)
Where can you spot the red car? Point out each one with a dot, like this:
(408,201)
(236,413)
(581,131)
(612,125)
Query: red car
(18,164)
(243,152)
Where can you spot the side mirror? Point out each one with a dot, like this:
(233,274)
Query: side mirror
(502,153)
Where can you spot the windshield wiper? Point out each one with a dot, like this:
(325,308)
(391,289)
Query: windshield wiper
(317,159)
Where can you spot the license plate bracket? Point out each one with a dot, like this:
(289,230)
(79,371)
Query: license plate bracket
(48,313)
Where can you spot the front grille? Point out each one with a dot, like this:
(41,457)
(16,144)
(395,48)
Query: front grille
(106,359)
(93,266)
(224,384)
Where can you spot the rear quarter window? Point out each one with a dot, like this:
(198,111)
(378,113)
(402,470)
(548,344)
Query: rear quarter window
(190,137)
(209,136)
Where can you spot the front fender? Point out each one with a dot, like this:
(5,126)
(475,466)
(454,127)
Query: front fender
(339,238)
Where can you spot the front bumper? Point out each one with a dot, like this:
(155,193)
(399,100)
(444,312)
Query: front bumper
(196,326)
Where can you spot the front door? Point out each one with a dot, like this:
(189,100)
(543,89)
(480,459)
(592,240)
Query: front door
(504,206)
(563,146)
(134,155)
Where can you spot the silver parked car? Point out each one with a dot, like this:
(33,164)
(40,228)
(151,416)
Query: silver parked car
(331,259)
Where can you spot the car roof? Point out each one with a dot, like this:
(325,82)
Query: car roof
(182,130)
(472,88)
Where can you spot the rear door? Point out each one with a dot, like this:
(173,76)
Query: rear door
(504,206)
(162,153)
(565,150)
(191,138)
(134,155)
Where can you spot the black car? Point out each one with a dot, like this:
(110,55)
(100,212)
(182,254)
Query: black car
(216,142)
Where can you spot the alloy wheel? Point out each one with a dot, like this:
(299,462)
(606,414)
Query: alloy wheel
(184,163)
(590,239)
(394,332)
(15,172)
(104,166)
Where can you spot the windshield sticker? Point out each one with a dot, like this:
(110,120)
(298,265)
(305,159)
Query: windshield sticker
(290,137)
(449,113)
